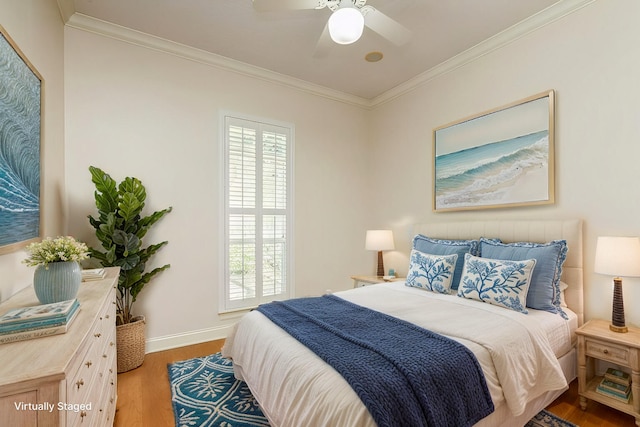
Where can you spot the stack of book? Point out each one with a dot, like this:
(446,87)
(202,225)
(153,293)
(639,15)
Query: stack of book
(615,384)
(93,274)
(37,321)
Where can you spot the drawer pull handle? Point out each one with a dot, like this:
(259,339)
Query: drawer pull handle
(98,335)
(79,383)
(89,363)
(83,414)
(104,355)
(605,351)
(106,317)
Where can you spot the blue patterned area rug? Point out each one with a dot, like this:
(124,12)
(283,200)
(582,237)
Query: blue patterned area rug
(547,419)
(204,393)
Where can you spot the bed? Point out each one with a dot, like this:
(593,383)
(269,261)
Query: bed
(295,387)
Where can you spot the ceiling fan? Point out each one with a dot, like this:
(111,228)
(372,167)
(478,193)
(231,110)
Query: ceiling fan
(347,20)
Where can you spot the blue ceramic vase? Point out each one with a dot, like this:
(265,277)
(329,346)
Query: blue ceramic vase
(57,281)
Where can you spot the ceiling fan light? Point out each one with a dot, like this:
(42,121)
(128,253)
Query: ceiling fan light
(346,25)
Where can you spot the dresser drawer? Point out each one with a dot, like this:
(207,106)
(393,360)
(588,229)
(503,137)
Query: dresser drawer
(106,395)
(606,351)
(87,364)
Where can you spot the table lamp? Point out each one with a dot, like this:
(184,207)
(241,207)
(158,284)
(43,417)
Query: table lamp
(618,256)
(379,240)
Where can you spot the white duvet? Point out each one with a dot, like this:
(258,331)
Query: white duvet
(295,387)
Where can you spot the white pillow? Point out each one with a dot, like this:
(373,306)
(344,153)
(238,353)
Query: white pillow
(431,272)
(499,282)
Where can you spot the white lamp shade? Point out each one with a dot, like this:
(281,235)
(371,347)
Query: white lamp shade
(618,256)
(346,25)
(379,240)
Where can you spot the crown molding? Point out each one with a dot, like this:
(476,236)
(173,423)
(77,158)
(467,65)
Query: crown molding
(67,9)
(551,14)
(128,35)
(500,40)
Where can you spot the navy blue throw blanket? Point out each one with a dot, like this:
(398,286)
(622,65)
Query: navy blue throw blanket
(405,375)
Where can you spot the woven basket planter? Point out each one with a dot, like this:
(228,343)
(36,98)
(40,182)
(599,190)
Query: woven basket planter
(130,343)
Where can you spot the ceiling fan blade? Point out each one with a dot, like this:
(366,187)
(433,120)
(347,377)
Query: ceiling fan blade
(268,5)
(388,28)
(324,43)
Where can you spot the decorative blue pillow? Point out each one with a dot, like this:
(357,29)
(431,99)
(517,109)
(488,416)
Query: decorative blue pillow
(498,282)
(431,272)
(428,245)
(544,292)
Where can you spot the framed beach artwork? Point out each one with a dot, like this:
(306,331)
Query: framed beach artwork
(20,120)
(500,158)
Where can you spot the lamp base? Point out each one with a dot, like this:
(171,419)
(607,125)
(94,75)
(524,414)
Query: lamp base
(617,311)
(621,329)
(380,271)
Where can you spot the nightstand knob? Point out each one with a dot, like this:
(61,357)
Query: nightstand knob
(605,351)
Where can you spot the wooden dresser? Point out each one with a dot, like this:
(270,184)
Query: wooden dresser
(68,379)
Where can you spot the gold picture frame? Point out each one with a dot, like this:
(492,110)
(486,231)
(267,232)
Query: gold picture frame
(20,148)
(499,158)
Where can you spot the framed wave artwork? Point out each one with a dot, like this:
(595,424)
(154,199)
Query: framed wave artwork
(499,158)
(20,120)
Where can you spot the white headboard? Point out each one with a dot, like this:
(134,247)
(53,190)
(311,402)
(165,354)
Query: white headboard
(539,231)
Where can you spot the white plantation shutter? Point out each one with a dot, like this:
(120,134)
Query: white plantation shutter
(258,206)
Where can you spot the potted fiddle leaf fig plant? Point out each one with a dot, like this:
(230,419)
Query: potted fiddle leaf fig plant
(120,227)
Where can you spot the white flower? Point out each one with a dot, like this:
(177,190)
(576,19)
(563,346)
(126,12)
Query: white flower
(60,249)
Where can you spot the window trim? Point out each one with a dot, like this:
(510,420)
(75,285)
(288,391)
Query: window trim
(224,304)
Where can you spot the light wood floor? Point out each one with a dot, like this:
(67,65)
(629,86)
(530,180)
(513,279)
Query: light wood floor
(144,397)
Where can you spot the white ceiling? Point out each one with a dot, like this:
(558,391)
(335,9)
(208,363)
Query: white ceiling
(284,41)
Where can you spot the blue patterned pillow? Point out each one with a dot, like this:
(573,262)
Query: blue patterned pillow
(428,245)
(431,272)
(544,292)
(499,282)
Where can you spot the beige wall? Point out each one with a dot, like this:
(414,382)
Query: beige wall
(36,27)
(590,58)
(138,112)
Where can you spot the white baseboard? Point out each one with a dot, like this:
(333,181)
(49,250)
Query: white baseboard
(180,340)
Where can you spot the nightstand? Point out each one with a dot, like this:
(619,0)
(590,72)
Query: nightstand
(597,342)
(360,281)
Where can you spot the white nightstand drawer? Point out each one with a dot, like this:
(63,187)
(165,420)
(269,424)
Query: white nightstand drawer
(609,352)
(597,342)
(360,284)
(361,281)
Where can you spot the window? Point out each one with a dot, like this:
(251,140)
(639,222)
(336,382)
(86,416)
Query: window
(258,212)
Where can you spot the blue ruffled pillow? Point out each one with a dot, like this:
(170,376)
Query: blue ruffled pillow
(544,291)
(431,246)
(431,272)
(498,282)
